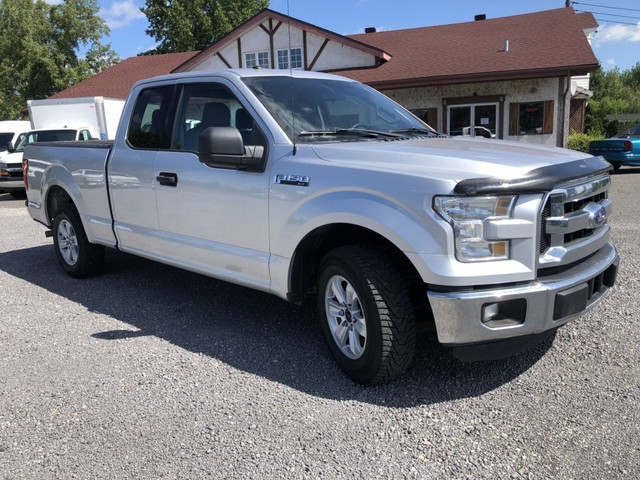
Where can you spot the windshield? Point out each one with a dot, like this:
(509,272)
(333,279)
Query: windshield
(45,136)
(333,110)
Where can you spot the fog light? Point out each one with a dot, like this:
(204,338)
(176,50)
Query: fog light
(490,311)
(507,313)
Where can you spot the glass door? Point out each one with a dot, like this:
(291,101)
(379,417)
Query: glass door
(482,117)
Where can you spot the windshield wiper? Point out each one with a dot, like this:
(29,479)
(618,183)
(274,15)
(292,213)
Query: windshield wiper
(358,132)
(339,132)
(424,131)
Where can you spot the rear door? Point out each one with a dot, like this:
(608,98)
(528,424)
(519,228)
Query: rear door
(131,172)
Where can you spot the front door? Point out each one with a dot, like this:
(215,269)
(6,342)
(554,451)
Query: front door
(212,220)
(475,120)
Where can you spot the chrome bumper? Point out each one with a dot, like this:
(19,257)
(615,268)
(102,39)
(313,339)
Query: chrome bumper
(9,184)
(478,316)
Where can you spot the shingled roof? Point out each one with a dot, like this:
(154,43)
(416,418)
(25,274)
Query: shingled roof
(116,81)
(542,44)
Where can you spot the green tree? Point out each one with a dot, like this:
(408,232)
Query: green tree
(614,92)
(184,25)
(40,47)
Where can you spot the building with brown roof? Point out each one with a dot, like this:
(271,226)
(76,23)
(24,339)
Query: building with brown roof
(523,77)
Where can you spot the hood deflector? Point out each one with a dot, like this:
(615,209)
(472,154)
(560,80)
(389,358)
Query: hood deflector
(543,179)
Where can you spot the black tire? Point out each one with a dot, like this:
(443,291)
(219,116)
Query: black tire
(616,167)
(76,255)
(380,295)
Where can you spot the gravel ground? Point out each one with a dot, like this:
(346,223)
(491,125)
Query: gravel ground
(150,372)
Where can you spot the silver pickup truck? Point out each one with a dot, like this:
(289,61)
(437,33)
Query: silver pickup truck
(309,185)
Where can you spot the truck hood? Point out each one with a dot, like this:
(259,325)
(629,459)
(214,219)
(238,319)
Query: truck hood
(448,158)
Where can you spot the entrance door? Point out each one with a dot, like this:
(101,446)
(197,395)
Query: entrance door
(476,120)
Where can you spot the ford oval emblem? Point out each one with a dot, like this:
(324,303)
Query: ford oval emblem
(597,215)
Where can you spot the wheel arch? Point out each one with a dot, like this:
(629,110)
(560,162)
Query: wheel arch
(56,198)
(303,269)
(61,190)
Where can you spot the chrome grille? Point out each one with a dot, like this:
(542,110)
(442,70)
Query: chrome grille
(573,221)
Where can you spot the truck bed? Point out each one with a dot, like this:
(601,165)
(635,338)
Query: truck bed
(80,167)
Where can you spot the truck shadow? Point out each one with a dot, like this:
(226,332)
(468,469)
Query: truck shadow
(252,331)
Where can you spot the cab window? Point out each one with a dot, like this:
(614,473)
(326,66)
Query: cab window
(211,105)
(150,125)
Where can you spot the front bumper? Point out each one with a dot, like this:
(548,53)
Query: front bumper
(493,314)
(11,184)
(622,158)
(11,178)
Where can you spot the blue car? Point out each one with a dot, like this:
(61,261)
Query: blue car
(623,149)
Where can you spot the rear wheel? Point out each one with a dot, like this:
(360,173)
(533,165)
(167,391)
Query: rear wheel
(366,314)
(76,255)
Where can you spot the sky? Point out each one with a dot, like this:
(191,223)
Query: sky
(616,43)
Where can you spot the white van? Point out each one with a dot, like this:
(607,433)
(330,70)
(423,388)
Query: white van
(9,131)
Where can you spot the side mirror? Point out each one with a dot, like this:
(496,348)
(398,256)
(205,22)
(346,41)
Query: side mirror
(10,147)
(223,147)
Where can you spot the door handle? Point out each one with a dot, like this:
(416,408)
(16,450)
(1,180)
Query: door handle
(168,178)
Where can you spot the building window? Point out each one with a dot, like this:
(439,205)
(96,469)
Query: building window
(256,59)
(531,118)
(428,116)
(289,58)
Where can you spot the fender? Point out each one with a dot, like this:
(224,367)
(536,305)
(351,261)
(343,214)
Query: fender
(375,212)
(380,214)
(97,228)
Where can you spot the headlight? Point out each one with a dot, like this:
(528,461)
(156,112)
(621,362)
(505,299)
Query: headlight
(467,216)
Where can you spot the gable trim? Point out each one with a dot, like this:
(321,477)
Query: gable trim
(271,15)
(320,50)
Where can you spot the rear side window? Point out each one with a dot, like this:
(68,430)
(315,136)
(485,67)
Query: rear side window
(84,135)
(150,127)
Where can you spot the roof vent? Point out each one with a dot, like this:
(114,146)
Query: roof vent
(482,16)
(370,30)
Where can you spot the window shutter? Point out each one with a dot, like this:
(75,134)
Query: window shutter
(432,117)
(547,125)
(514,118)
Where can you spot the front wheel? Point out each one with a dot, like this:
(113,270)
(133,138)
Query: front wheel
(76,255)
(366,314)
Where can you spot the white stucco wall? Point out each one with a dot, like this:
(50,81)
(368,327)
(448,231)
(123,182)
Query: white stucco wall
(334,56)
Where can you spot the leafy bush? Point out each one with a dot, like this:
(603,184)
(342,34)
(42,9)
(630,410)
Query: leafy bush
(580,141)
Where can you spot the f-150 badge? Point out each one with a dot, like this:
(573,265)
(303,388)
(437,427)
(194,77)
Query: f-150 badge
(298,180)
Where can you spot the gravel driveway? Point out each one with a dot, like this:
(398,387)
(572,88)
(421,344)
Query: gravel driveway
(150,372)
